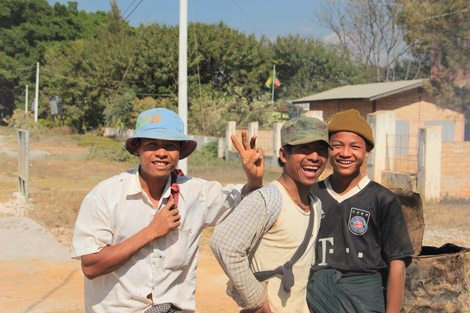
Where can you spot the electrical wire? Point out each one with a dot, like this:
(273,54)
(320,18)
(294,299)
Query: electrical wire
(133,1)
(198,71)
(249,19)
(82,82)
(138,4)
(366,2)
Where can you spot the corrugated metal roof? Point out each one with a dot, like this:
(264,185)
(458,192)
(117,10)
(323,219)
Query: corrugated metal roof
(369,92)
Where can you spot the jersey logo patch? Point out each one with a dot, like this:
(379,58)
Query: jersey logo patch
(358,221)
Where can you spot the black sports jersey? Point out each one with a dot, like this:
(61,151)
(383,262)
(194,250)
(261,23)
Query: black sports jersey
(362,233)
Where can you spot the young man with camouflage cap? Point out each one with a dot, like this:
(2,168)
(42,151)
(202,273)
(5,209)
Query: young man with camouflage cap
(137,233)
(272,231)
(363,232)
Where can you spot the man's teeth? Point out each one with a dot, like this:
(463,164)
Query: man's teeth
(159,163)
(345,162)
(311,168)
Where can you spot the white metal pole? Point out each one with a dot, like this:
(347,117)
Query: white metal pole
(272,99)
(36,98)
(274,71)
(26,100)
(183,73)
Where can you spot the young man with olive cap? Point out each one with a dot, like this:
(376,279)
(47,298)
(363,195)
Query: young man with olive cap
(137,233)
(272,231)
(363,233)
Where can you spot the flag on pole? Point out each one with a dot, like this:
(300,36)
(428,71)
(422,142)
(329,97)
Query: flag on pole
(269,82)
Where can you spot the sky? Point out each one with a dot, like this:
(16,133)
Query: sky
(261,17)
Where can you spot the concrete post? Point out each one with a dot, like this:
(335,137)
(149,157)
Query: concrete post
(252,130)
(381,158)
(429,162)
(221,148)
(230,129)
(315,114)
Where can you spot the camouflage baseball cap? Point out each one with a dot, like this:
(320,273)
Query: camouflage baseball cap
(302,130)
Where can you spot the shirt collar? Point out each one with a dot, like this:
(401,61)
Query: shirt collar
(135,186)
(361,185)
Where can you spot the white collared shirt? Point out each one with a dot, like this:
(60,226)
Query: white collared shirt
(118,208)
(340,198)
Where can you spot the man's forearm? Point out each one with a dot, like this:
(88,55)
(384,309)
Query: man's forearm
(233,259)
(252,185)
(395,286)
(231,241)
(110,258)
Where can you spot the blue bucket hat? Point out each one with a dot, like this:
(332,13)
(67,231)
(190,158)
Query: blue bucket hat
(162,124)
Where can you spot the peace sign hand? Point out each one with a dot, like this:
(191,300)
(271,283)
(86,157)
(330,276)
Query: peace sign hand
(252,161)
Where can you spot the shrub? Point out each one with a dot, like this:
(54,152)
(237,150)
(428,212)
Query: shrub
(210,149)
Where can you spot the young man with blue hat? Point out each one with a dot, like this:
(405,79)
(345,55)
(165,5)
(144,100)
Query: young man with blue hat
(137,233)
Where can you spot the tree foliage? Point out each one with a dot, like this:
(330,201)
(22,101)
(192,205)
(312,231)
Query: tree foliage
(107,71)
(439,31)
(309,66)
(28,29)
(369,31)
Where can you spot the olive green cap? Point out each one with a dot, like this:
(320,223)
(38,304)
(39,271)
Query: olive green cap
(303,129)
(351,121)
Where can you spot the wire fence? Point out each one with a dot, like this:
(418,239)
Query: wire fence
(405,154)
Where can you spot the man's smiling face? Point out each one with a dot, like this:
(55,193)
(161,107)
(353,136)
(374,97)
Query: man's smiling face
(305,162)
(349,153)
(158,158)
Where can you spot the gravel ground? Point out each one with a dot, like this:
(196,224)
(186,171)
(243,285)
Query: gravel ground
(24,238)
(436,237)
(21,237)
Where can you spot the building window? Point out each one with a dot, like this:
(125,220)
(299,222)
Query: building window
(402,132)
(447,129)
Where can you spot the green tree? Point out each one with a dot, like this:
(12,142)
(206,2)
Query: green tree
(27,29)
(439,32)
(306,65)
(90,74)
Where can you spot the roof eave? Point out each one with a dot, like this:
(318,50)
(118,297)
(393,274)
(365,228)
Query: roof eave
(393,92)
(372,98)
(335,99)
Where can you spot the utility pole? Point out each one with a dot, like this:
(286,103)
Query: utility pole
(272,97)
(26,100)
(36,99)
(183,74)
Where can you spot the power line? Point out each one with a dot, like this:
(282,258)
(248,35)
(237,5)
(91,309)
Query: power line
(105,81)
(366,2)
(18,70)
(249,19)
(133,10)
(82,82)
(449,13)
(133,1)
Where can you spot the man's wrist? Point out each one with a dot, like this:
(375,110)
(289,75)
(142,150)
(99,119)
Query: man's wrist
(254,184)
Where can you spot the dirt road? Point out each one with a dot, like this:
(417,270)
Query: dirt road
(40,286)
(37,275)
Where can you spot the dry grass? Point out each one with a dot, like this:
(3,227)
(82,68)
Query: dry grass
(60,180)
(448,214)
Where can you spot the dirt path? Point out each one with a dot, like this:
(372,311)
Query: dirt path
(37,275)
(40,286)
